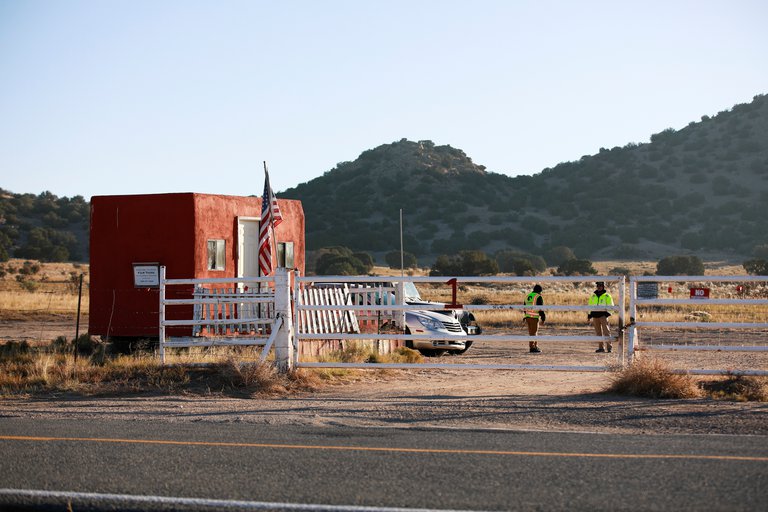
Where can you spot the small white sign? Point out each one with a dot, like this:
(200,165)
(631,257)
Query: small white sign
(146,275)
(648,290)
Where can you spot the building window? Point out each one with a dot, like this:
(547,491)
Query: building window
(285,254)
(216,254)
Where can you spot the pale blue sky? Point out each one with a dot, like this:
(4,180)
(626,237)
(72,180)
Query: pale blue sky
(124,97)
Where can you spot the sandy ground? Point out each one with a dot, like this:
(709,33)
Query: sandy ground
(430,399)
(443,398)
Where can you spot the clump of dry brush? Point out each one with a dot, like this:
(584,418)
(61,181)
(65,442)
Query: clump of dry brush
(740,388)
(263,379)
(652,378)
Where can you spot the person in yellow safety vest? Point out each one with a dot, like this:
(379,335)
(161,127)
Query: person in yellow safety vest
(600,318)
(532,316)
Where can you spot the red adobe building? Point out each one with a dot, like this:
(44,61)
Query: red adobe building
(192,235)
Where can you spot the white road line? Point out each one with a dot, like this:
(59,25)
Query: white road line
(128,499)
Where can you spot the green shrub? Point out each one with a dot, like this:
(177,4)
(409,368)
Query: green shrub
(392,258)
(680,265)
(341,261)
(576,267)
(559,254)
(466,263)
(520,263)
(756,267)
(620,271)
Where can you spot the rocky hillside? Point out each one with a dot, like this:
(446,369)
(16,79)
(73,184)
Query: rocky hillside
(702,189)
(43,227)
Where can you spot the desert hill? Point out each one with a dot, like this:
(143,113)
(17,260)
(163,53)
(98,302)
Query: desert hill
(701,189)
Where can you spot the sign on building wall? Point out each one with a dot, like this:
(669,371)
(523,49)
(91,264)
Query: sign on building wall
(146,275)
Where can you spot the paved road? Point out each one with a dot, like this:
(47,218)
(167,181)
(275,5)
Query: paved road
(292,467)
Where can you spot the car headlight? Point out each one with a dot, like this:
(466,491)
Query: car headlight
(432,325)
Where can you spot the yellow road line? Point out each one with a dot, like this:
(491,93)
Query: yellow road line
(386,449)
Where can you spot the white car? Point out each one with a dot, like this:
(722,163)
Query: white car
(456,324)
(434,323)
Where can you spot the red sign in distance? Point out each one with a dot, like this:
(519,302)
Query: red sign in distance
(699,293)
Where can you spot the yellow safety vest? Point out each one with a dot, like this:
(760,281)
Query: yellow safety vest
(602,300)
(530,300)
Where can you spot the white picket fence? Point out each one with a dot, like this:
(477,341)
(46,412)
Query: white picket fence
(249,311)
(327,320)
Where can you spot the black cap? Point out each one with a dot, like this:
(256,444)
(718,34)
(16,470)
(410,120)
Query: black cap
(537,288)
(600,283)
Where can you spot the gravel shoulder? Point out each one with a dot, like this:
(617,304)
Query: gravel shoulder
(526,400)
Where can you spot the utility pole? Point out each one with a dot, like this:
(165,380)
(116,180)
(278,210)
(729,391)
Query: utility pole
(402,265)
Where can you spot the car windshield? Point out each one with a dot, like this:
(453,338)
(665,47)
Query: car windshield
(411,292)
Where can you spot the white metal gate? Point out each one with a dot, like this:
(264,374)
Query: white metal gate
(645,292)
(304,308)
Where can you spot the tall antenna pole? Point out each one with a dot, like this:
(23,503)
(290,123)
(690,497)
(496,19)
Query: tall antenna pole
(402,271)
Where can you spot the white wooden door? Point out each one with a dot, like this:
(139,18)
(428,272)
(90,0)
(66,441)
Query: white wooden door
(248,247)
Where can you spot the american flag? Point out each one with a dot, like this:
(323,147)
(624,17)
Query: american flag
(270,218)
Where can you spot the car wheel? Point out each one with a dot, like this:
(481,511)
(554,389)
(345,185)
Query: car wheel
(466,347)
(431,353)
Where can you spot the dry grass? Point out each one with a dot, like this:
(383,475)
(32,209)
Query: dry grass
(652,378)
(52,290)
(362,353)
(17,305)
(54,369)
(264,379)
(236,371)
(738,388)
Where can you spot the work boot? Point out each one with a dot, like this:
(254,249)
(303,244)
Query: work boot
(600,349)
(610,347)
(534,349)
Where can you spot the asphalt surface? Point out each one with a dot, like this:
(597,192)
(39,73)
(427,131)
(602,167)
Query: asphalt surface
(147,465)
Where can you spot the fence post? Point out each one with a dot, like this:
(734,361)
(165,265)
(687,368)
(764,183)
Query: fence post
(77,324)
(622,323)
(161,316)
(284,336)
(632,316)
(400,301)
(296,298)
